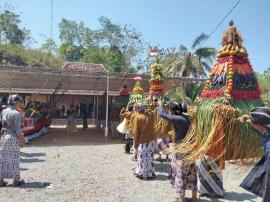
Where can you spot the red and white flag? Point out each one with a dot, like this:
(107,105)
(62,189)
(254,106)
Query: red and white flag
(153,52)
(137,78)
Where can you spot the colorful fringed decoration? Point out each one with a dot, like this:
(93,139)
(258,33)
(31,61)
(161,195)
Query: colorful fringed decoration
(137,94)
(156,82)
(230,91)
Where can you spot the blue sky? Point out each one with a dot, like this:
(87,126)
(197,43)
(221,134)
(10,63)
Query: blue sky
(164,22)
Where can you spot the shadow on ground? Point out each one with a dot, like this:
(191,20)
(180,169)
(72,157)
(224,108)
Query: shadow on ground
(231,196)
(91,136)
(31,160)
(35,185)
(27,155)
(234,196)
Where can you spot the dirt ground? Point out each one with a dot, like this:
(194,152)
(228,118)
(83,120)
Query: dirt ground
(87,166)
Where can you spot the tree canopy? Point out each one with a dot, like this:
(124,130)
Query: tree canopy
(182,62)
(10,30)
(114,45)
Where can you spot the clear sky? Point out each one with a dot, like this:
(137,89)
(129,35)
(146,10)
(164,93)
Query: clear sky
(164,22)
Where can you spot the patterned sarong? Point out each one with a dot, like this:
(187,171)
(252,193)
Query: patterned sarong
(9,157)
(183,177)
(210,180)
(258,179)
(145,153)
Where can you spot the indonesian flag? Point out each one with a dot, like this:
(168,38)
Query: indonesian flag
(137,78)
(153,52)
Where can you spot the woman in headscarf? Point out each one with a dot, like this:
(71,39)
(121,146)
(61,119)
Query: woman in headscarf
(183,176)
(144,141)
(12,137)
(258,179)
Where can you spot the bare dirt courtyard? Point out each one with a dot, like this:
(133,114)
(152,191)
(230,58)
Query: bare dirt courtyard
(86,166)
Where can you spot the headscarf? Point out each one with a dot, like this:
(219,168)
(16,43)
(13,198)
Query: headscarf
(140,107)
(261,116)
(176,108)
(12,99)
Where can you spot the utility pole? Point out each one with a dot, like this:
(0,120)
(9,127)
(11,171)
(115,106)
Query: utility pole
(51,28)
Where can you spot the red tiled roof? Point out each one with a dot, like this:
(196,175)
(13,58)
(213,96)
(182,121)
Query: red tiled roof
(84,67)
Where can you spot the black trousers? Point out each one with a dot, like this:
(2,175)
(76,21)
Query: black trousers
(129,144)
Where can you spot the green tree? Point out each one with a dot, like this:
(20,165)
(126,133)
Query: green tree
(115,60)
(68,31)
(71,52)
(264,82)
(10,32)
(183,62)
(49,47)
(113,45)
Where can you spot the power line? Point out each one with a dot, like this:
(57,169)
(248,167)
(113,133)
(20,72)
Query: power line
(222,20)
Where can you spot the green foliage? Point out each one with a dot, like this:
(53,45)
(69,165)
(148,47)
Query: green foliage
(18,55)
(193,90)
(49,46)
(10,32)
(116,46)
(182,62)
(264,82)
(177,93)
(71,52)
(185,92)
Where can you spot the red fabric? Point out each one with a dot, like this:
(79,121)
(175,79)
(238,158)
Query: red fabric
(246,94)
(212,93)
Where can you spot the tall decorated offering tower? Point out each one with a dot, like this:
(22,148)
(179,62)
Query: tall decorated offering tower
(156,82)
(137,93)
(230,91)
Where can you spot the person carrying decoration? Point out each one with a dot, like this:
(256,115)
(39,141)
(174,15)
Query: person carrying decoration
(126,114)
(136,96)
(11,139)
(183,176)
(258,179)
(216,135)
(144,142)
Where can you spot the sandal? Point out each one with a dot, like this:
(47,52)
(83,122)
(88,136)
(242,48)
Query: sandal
(18,183)
(3,184)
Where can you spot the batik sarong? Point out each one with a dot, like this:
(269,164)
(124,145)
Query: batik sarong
(145,156)
(258,179)
(183,177)
(210,179)
(9,157)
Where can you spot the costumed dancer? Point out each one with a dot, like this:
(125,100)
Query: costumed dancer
(144,142)
(258,179)
(11,139)
(183,176)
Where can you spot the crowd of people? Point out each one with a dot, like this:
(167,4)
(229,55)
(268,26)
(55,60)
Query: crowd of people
(140,124)
(204,175)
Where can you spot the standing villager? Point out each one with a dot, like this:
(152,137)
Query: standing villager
(71,120)
(63,110)
(114,116)
(183,176)
(11,139)
(144,142)
(258,179)
(83,112)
